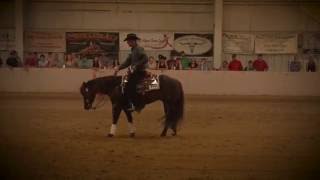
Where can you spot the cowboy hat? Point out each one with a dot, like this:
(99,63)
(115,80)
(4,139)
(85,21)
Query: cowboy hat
(131,36)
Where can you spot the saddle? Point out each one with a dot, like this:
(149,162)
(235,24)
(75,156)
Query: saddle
(148,83)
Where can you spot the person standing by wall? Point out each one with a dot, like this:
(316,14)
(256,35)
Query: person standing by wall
(260,64)
(235,64)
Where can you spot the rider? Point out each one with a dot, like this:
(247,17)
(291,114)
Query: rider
(138,61)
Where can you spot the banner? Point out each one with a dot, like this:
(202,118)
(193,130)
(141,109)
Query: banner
(92,43)
(276,43)
(35,41)
(7,40)
(194,44)
(238,43)
(311,42)
(150,41)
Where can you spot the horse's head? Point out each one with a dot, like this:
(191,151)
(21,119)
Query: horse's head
(88,94)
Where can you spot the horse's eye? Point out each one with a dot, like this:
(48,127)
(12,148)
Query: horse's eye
(87,90)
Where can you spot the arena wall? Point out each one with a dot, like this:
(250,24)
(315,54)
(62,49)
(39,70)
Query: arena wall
(194,82)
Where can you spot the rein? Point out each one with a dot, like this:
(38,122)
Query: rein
(100,104)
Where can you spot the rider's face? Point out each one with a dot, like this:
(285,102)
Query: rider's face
(132,43)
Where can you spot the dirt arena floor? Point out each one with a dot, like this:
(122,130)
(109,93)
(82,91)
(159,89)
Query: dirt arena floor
(50,136)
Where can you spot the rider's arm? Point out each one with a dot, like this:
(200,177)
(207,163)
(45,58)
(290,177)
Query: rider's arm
(126,63)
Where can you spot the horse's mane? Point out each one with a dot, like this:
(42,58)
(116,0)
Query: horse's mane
(105,83)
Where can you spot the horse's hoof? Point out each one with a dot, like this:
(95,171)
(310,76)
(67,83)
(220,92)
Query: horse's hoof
(110,135)
(174,134)
(132,135)
(163,135)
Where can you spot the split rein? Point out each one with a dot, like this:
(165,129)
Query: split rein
(100,103)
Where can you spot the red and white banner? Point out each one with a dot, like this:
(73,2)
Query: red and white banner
(44,41)
(150,41)
(276,43)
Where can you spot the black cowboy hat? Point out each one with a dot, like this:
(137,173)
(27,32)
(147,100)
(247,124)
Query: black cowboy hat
(131,36)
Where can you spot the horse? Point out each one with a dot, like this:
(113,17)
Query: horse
(170,93)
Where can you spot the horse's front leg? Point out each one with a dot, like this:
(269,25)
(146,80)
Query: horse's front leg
(132,129)
(116,110)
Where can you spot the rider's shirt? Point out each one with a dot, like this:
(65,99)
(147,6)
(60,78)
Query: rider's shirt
(137,59)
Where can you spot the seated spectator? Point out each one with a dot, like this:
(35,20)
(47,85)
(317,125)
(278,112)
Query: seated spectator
(31,60)
(95,63)
(311,65)
(84,62)
(185,61)
(162,62)
(57,61)
(204,64)
(250,66)
(235,64)
(171,63)
(295,65)
(13,60)
(260,64)
(70,61)
(193,65)
(43,62)
(115,62)
(177,65)
(152,63)
(224,66)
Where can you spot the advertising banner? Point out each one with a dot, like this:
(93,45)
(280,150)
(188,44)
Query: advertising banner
(150,41)
(238,43)
(194,44)
(35,41)
(276,43)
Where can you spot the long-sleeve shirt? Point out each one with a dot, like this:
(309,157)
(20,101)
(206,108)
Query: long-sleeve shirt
(138,59)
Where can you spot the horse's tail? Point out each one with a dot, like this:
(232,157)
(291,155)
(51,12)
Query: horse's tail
(180,104)
(177,108)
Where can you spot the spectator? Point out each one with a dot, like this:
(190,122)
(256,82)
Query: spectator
(235,64)
(13,60)
(115,62)
(152,63)
(177,65)
(204,64)
(171,63)
(185,61)
(43,62)
(70,60)
(57,61)
(295,65)
(250,66)
(50,59)
(224,66)
(95,63)
(31,60)
(311,65)
(162,62)
(260,64)
(193,65)
(84,62)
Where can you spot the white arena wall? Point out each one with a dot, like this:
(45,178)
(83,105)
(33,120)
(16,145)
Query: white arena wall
(194,82)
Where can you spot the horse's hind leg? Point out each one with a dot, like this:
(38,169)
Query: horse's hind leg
(132,129)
